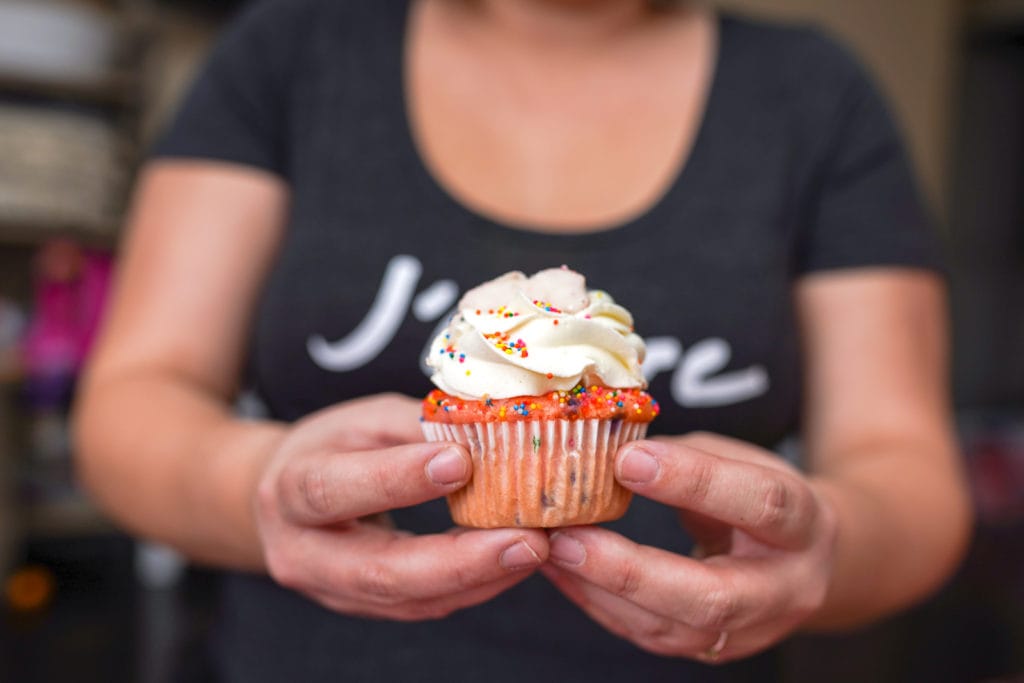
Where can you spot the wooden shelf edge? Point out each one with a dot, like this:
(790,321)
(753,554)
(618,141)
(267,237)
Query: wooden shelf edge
(73,517)
(27,234)
(993,13)
(117,90)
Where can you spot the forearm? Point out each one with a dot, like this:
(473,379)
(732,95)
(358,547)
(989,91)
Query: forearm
(903,526)
(171,463)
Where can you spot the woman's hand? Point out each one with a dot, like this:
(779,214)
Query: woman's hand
(765,542)
(318,506)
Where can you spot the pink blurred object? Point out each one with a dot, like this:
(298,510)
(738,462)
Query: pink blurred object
(996,468)
(70,291)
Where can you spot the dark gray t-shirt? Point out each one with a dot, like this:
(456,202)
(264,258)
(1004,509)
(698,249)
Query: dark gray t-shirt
(796,168)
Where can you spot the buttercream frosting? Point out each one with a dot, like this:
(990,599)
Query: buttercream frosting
(528,336)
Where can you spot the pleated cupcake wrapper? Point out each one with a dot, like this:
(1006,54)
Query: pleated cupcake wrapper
(539,473)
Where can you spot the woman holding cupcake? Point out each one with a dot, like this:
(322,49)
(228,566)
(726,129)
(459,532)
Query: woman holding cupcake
(312,231)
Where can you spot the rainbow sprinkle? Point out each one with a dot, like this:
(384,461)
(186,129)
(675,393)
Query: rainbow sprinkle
(503,342)
(545,306)
(580,402)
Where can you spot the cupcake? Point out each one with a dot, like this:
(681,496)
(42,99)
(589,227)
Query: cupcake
(540,380)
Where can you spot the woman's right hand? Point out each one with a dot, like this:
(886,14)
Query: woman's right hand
(339,468)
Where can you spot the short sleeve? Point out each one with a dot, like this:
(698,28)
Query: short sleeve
(236,110)
(865,208)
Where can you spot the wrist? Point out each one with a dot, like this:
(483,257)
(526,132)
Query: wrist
(888,554)
(238,453)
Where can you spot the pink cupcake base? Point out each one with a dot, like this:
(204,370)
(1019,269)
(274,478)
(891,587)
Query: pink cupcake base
(539,473)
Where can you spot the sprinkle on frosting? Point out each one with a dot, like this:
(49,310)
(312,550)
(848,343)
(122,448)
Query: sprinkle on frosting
(503,343)
(545,306)
(526,336)
(579,403)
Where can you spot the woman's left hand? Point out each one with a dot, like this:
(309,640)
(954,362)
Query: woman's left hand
(765,546)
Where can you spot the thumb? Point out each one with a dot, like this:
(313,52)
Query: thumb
(329,487)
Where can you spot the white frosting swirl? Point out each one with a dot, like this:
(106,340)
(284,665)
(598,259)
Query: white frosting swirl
(519,336)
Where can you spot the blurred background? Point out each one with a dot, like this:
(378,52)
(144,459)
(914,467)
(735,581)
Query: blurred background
(84,86)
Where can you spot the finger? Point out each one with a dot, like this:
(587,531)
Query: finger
(711,536)
(729,447)
(709,597)
(651,631)
(438,608)
(327,488)
(389,417)
(370,422)
(665,637)
(428,567)
(386,571)
(420,610)
(773,506)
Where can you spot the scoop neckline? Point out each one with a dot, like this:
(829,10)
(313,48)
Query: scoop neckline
(658,212)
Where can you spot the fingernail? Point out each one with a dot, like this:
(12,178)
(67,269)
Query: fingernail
(638,466)
(448,467)
(567,550)
(519,556)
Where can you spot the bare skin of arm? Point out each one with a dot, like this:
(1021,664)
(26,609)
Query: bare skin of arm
(880,439)
(157,442)
(159,448)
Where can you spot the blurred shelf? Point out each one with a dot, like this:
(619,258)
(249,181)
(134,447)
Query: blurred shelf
(996,13)
(118,90)
(30,234)
(9,374)
(75,516)
(42,500)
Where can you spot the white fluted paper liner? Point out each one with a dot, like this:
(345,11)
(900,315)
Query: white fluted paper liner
(539,473)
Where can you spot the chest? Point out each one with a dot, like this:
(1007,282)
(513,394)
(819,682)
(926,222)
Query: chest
(556,136)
